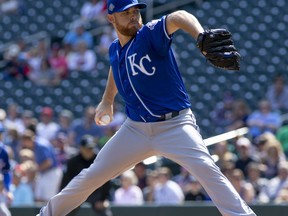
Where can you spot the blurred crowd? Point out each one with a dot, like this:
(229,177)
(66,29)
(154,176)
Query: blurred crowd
(40,154)
(47,61)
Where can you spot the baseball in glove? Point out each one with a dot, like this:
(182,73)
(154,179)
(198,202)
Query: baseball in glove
(218,48)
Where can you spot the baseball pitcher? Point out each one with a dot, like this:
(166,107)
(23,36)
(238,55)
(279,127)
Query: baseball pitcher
(160,121)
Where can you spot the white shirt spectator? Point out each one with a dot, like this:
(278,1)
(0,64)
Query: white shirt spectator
(93,9)
(131,196)
(129,193)
(82,59)
(168,193)
(47,131)
(47,128)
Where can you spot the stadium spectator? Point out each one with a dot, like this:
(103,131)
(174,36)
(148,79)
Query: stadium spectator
(49,174)
(261,145)
(282,197)
(282,136)
(263,120)
(244,188)
(106,38)
(274,156)
(152,181)
(63,149)
(13,142)
(45,75)
(99,198)
(94,11)
(2,115)
(46,127)
(195,192)
(222,154)
(65,120)
(26,155)
(128,193)
(77,33)
(222,115)
(240,113)
(29,167)
(58,62)
(245,154)
(35,56)
(28,118)
(277,94)
(85,125)
(16,67)
(183,179)
(23,194)
(254,177)
(13,119)
(11,7)
(272,189)
(167,191)
(107,133)
(82,58)
(140,171)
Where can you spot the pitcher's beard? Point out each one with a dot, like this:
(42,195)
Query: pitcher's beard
(129,30)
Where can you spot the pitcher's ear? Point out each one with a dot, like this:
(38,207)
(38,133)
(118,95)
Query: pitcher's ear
(110,18)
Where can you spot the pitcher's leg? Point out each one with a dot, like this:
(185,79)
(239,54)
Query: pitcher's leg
(185,146)
(122,151)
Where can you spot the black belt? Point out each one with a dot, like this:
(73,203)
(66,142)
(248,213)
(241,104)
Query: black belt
(171,115)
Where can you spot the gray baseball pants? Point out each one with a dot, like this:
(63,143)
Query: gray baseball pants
(176,139)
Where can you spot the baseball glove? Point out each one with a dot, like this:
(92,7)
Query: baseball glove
(218,48)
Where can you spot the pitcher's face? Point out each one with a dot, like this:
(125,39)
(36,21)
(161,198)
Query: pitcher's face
(128,22)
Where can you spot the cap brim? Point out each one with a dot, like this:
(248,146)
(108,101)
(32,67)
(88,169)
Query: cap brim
(140,5)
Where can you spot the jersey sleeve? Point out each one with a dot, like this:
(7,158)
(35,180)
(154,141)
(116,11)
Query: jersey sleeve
(157,37)
(6,169)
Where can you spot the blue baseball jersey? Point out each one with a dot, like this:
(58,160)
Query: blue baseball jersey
(5,165)
(146,73)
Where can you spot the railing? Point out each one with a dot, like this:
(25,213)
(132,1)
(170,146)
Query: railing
(209,141)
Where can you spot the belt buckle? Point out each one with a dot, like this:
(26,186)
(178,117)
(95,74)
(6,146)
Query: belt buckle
(168,116)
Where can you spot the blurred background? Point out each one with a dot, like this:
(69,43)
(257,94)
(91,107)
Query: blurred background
(53,70)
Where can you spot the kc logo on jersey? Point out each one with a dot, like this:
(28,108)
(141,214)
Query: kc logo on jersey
(140,66)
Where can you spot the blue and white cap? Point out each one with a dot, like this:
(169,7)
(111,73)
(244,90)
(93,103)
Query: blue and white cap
(122,5)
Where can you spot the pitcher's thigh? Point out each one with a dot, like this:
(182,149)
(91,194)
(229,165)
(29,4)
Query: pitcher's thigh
(123,150)
(188,150)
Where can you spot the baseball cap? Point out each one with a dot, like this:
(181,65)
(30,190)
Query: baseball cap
(66,113)
(122,5)
(47,111)
(88,141)
(243,141)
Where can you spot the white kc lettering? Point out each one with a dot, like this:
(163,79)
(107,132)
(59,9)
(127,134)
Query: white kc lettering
(140,67)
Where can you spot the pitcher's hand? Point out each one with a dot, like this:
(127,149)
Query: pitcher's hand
(102,109)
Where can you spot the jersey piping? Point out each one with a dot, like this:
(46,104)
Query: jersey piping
(133,88)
